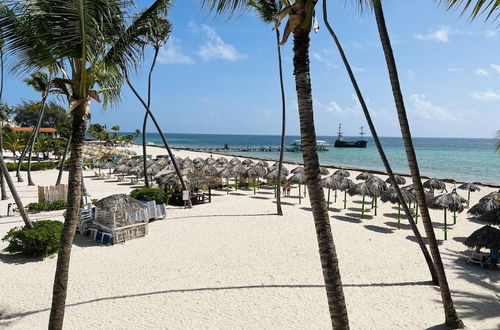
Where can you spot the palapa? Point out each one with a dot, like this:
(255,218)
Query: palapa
(398,178)
(247,162)
(469,187)
(364,176)
(452,202)
(342,172)
(235,161)
(298,169)
(361,189)
(491,217)
(119,202)
(434,184)
(210,161)
(391,195)
(485,237)
(484,206)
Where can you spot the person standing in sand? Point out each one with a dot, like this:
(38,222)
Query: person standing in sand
(494,258)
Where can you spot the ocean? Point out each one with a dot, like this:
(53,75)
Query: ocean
(462,159)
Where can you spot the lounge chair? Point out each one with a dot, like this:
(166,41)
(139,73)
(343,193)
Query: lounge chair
(482,259)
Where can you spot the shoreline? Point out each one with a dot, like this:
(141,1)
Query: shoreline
(447,180)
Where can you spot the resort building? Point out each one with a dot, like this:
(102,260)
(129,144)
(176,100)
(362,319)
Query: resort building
(50,131)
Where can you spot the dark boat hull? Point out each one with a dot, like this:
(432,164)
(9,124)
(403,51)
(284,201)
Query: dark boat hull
(350,144)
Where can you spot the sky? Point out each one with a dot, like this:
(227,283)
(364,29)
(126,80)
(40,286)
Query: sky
(220,76)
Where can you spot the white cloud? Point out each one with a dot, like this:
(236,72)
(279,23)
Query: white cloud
(496,67)
(172,53)
(216,48)
(455,70)
(486,96)
(320,58)
(333,107)
(425,109)
(481,72)
(441,35)
(489,34)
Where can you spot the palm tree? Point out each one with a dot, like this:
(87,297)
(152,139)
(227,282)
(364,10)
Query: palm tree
(3,114)
(451,317)
(479,7)
(269,10)
(300,22)
(97,43)
(40,81)
(63,160)
(157,36)
(380,149)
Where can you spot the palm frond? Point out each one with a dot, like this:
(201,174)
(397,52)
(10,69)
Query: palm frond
(267,9)
(39,80)
(478,7)
(229,7)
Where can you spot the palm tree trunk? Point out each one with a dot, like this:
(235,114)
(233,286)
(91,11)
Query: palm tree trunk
(451,317)
(165,143)
(21,157)
(328,254)
(380,149)
(59,175)
(13,191)
(145,122)
(283,123)
(72,213)
(2,180)
(35,135)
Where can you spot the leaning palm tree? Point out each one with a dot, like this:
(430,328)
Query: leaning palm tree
(300,21)
(395,180)
(157,35)
(451,316)
(98,43)
(269,10)
(40,81)
(3,116)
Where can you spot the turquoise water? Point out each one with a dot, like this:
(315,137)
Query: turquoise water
(457,158)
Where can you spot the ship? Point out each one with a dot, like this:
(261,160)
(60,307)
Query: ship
(296,146)
(340,143)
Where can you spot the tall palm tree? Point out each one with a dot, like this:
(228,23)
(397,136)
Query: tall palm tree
(268,11)
(380,149)
(40,81)
(97,41)
(299,23)
(3,114)
(451,317)
(63,159)
(157,36)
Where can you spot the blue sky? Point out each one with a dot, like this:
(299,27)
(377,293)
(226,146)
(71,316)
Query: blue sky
(220,75)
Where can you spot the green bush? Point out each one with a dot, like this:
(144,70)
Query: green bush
(55,205)
(40,241)
(150,194)
(35,166)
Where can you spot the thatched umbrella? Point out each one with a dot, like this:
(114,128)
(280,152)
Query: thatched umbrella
(491,217)
(122,168)
(390,195)
(237,171)
(298,169)
(434,184)
(485,237)
(361,189)
(136,170)
(377,186)
(484,206)
(399,179)
(337,182)
(428,197)
(210,161)
(263,163)
(210,173)
(342,172)
(261,170)
(222,161)
(364,176)
(247,162)
(119,202)
(323,171)
(235,161)
(273,176)
(198,160)
(492,195)
(298,178)
(251,173)
(469,187)
(187,164)
(226,173)
(447,202)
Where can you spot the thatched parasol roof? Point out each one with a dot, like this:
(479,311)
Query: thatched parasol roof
(491,217)
(261,170)
(235,161)
(323,171)
(434,184)
(273,175)
(337,182)
(399,179)
(198,160)
(247,162)
(119,202)
(226,173)
(484,206)
(192,179)
(237,170)
(263,163)
(485,237)
(122,168)
(298,178)
(136,170)
(342,172)
(360,189)
(410,188)
(447,201)
(250,173)
(491,195)
(469,186)
(209,170)
(222,161)
(210,161)
(364,176)
(390,195)
(298,169)
(377,185)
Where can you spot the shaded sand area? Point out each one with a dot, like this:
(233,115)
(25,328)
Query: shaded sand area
(234,264)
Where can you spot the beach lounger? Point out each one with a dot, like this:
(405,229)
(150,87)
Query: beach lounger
(482,259)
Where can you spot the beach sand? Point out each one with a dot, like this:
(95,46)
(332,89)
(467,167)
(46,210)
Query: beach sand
(234,264)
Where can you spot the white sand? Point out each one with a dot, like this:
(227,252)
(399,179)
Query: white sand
(233,264)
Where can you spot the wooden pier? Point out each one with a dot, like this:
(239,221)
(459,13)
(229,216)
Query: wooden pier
(241,149)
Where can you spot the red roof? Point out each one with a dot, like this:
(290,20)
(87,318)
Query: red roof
(29,129)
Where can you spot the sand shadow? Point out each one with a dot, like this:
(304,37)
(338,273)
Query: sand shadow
(378,229)
(459,239)
(86,241)
(18,258)
(284,203)
(259,197)
(238,194)
(358,215)
(413,239)
(346,219)
(402,225)
(265,192)
(305,208)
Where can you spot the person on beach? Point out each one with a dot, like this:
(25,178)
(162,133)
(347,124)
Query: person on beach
(283,187)
(288,188)
(494,258)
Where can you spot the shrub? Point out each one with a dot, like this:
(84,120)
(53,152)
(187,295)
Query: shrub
(55,205)
(150,194)
(40,241)
(36,166)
